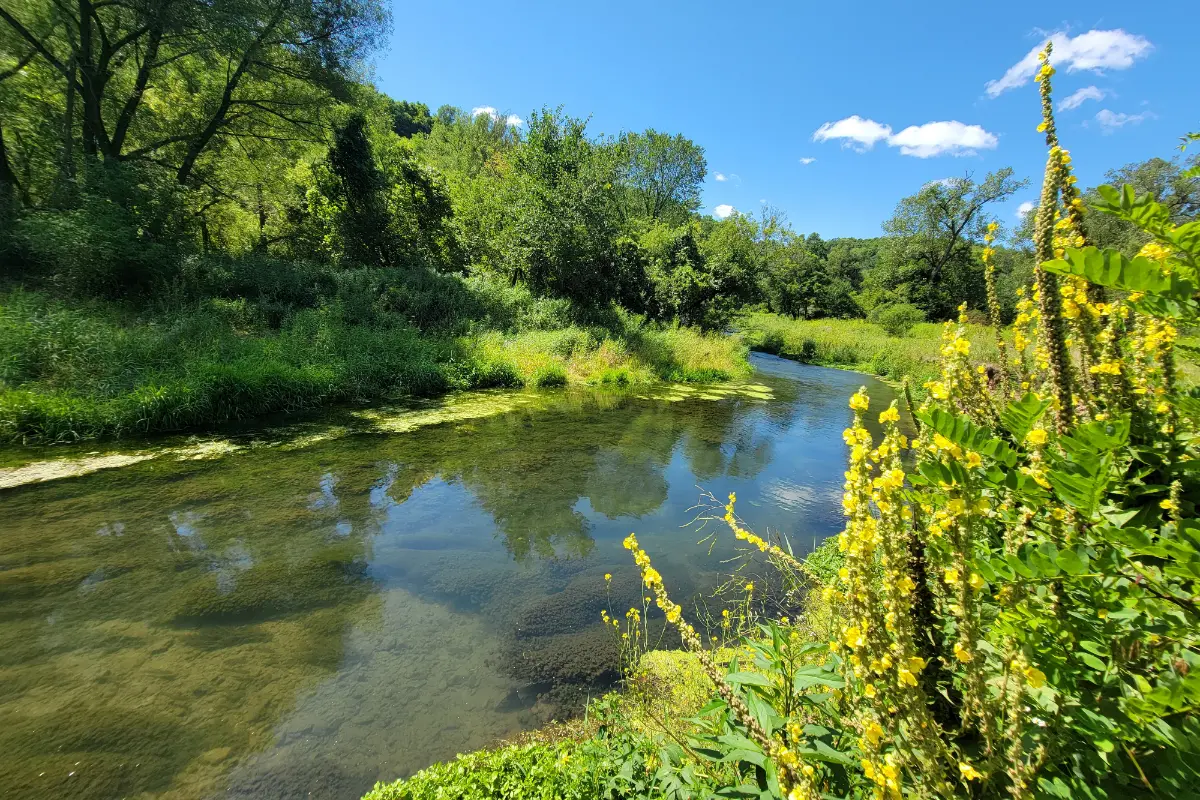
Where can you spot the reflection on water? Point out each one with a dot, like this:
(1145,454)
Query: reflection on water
(302,623)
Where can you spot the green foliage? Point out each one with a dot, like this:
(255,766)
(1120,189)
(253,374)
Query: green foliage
(898,319)
(562,771)
(929,257)
(409,119)
(858,345)
(560,238)
(71,372)
(1167,183)
(662,173)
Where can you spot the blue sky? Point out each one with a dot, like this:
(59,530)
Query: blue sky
(753,83)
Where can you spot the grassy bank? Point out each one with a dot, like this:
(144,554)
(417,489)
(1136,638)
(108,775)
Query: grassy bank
(859,345)
(71,370)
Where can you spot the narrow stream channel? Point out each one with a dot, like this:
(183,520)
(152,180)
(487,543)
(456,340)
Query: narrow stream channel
(286,623)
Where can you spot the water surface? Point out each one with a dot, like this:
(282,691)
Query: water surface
(302,622)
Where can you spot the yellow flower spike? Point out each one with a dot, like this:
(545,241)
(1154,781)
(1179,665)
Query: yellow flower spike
(976,581)
(1037,437)
(950,576)
(859,401)
(891,415)
(608,576)
(1035,676)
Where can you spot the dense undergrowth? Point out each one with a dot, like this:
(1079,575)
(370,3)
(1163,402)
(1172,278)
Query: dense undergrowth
(253,336)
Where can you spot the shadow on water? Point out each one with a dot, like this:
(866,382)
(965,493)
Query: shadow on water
(302,622)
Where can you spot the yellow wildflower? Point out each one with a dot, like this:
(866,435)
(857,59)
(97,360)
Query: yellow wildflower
(950,576)
(1036,437)
(1035,677)
(968,772)
(891,415)
(859,401)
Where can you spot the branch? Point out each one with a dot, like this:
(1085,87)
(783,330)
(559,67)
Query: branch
(24,33)
(21,63)
(141,152)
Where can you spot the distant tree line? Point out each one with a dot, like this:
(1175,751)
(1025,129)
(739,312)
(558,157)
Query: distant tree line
(136,132)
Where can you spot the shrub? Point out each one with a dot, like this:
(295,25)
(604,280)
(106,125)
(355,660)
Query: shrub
(898,319)
(562,771)
(550,376)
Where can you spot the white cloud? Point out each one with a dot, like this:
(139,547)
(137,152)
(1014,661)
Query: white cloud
(1024,209)
(943,138)
(947,182)
(807,160)
(511,119)
(923,141)
(1098,50)
(1080,97)
(1110,120)
(724,210)
(857,133)
(721,176)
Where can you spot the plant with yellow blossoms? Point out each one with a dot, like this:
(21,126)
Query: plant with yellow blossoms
(1019,585)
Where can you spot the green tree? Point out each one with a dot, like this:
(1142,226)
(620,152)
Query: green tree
(929,257)
(1167,183)
(662,173)
(171,81)
(559,231)
(409,119)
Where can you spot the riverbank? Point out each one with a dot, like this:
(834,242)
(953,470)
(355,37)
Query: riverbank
(862,346)
(76,371)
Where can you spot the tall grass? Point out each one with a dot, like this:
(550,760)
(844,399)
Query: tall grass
(72,371)
(860,345)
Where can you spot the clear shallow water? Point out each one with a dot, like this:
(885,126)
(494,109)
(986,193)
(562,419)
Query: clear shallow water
(278,624)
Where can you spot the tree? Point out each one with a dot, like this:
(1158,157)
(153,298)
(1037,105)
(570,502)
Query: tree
(929,257)
(221,72)
(559,231)
(409,119)
(663,173)
(1167,182)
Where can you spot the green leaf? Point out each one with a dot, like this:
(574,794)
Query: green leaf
(807,677)
(1071,562)
(1113,269)
(963,432)
(748,678)
(1091,660)
(1020,416)
(1019,566)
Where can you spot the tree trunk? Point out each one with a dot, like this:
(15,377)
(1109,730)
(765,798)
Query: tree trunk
(9,186)
(68,151)
(139,90)
(87,80)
